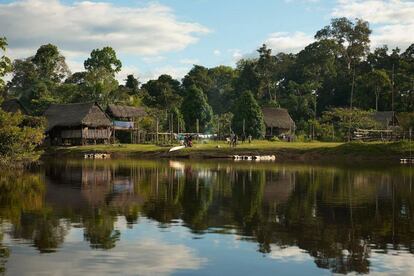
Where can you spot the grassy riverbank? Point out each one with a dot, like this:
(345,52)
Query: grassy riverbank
(297,151)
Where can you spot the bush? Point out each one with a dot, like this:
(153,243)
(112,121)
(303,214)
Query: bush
(20,137)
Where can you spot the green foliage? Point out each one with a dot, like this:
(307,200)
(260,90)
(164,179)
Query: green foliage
(195,107)
(5,62)
(103,58)
(163,93)
(50,64)
(20,137)
(36,79)
(132,84)
(221,124)
(248,110)
(344,119)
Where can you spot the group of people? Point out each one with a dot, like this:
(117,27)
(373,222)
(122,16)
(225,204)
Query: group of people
(188,141)
(234,139)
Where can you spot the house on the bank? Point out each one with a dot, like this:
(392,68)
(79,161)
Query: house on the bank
(386,119)
(13,106)
(125,122)
(277,121)
(125,116)
(77,124)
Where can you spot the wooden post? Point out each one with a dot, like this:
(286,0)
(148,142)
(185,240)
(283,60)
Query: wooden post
(218,131)
(156,138)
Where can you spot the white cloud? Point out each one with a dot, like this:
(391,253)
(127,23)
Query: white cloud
(146,257)
(288,42)
(236,55)
(83,26)
(392,20)
(217,52)
(189,61)
(153,59)
(393,263)
(177,72)
(289,254)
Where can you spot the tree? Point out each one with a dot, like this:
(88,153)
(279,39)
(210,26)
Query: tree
(340,118)
(198,77)
(162,93)
(132,84)
(195,108)
(100,86)
(378,81)
(221,92)
(351,37)
(247,112)
(35,79)
(248,78)
(103,58)
(50,64)
(5,62)
(19,138)
(221,124)
(266,69)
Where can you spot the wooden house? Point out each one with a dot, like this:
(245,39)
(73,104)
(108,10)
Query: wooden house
(277,121)
(125,122)
(77,124)
(125,116)
(13,106)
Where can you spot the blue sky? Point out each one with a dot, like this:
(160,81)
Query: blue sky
(168,36)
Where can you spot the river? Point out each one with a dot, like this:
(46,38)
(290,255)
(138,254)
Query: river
(147,217)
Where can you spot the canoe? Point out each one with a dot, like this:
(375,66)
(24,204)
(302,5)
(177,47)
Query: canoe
(176,148)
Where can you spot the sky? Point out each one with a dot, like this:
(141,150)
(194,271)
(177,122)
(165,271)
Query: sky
(169,36)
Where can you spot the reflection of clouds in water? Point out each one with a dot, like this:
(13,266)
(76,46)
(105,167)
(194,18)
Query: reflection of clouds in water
(146,257)
(393,263)
(289,254)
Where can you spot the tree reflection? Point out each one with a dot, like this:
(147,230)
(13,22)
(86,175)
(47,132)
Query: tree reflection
(338,216)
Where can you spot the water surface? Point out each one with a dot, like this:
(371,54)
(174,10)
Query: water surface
(134,217)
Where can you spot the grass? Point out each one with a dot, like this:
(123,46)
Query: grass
(288,151)
(210,146)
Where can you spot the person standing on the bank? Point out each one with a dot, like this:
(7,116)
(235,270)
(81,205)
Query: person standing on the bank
(250,139)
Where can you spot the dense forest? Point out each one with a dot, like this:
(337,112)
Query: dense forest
(336,77)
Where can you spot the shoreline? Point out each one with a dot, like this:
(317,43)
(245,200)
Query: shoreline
(289,152)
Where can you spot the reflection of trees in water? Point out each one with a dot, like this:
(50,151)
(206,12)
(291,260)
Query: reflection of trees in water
(99,229)
(337,216)
(4,254)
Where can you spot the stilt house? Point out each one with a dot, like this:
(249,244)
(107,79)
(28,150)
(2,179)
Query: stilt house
(77,124)
(125,122)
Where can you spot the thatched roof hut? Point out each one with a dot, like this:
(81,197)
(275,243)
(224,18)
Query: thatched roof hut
(77,114)
(13,106)
(277,120)
(125,112)
(386,118)
(78,123)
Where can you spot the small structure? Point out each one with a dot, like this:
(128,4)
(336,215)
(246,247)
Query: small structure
(77,124)
(124,119)
(386,119)
(277,121)
(14,106)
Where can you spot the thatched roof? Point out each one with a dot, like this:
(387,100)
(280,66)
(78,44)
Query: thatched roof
(78,114)
(13,106)
(278,118)
(385,118)
(123,111)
